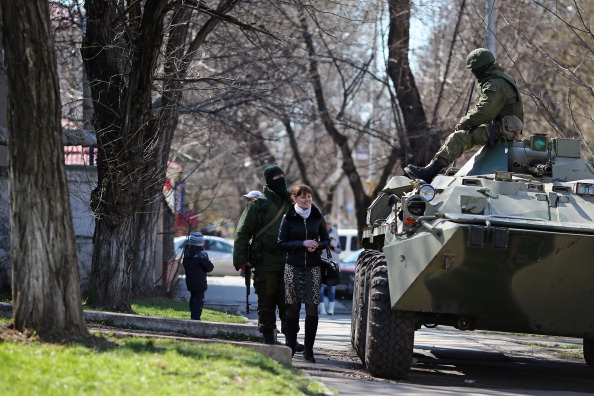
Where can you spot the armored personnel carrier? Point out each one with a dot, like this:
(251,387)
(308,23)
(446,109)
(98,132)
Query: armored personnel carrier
(504,244)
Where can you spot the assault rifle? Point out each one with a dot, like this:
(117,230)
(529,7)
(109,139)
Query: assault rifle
(248,275)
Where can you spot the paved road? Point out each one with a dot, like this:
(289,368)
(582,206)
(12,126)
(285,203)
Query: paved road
(446,361)
(229,292)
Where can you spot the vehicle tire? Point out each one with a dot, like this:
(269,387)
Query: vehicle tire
(359,314)
(390,334)
(589,351)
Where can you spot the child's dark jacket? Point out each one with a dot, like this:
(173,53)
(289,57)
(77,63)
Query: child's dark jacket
(196,264)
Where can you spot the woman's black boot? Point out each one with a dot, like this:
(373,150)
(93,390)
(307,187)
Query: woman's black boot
(291,335)
(311,329)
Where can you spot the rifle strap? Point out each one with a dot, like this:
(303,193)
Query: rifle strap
(271,222)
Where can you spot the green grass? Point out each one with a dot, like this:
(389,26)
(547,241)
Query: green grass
(135,366)
(180,310)
(166,308)
(554,346)
(572,354)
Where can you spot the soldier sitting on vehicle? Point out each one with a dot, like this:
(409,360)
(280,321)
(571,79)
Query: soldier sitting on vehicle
(498,115)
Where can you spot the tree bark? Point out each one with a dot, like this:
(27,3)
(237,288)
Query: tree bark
(417,140)
(120,51)
(176,67)
(303,171)
(46,285)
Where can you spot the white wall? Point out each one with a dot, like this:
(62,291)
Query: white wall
(81,181)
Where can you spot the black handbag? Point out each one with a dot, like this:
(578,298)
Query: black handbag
(330,271)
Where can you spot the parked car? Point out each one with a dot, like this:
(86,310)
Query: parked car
(349,241)
(220,252)
(347,274)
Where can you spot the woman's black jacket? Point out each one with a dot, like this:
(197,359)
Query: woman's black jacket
(294,229)
(196,265)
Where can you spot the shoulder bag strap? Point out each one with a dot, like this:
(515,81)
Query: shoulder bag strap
(271,222)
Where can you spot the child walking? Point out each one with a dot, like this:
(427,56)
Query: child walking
(196,264)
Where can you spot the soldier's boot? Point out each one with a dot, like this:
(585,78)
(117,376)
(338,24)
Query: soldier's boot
(298,347)
(291,334)
(426,173)
(269,337)
(311,328)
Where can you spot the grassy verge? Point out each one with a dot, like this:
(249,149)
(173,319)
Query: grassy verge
(180,310)
(137,366)
(166,308)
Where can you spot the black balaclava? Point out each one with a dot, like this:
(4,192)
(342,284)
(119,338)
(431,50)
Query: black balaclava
(278,186)
(478,73)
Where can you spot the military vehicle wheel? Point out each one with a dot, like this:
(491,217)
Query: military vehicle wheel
(359,314)
(589,351)
(390,334)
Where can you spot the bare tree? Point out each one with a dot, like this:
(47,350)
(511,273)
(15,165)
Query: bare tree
(121,51)
(46,284)
(320,94)
(418,141)
(550,58)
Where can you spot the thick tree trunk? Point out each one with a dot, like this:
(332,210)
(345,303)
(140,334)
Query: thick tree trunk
(113,256)
(46,284)
(121,73)
(120,51)
(147,221)
(418,142)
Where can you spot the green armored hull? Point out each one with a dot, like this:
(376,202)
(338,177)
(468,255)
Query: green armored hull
(541,283)
(503,244)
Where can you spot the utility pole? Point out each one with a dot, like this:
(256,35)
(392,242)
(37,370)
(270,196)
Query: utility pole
(490,36)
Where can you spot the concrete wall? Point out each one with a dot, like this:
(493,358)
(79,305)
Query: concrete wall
(81,181)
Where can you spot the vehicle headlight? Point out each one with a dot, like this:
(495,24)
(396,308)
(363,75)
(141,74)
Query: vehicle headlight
(539,143)
(416,206)
(584,189)
(427,192)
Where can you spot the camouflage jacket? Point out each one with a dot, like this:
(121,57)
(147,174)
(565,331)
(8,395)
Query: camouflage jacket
(264,253)
(499,96)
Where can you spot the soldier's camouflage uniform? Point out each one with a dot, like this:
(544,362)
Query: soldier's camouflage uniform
(499,97)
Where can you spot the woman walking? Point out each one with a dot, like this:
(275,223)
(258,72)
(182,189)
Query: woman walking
(303,236)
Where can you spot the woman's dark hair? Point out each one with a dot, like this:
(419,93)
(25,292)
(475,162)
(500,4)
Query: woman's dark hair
(300,189)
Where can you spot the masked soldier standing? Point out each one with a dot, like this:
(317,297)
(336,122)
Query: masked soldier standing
(256,239)
(498,115)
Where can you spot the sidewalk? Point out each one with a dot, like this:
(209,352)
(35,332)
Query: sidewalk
(228,294)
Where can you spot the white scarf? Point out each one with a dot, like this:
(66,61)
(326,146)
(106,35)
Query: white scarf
(303,212)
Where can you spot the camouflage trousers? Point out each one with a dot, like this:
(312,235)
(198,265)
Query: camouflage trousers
(270,288)
(460,142)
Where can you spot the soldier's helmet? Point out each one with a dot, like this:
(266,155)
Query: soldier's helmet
(478,58)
